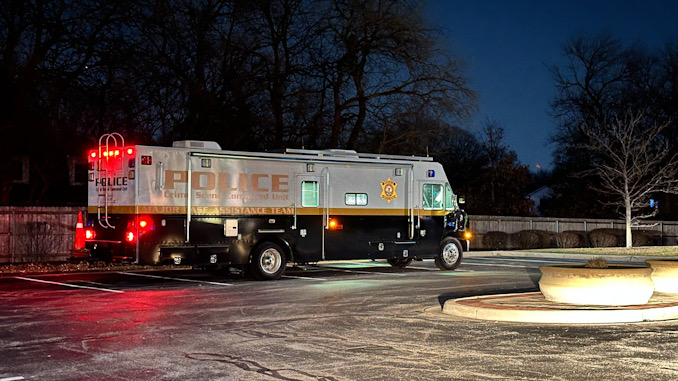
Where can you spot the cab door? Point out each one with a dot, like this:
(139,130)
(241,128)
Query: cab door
(431,214)
(311,217)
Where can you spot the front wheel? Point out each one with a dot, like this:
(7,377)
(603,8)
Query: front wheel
(268,262)
(449,254)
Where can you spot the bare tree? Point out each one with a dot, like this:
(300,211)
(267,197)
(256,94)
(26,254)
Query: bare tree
(499,188)
(633,161)
(385,56)
(602,79)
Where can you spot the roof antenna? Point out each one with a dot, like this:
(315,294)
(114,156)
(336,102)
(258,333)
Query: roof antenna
(426,151)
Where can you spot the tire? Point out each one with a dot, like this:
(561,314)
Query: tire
(268,262)
(398,262)
(449,254)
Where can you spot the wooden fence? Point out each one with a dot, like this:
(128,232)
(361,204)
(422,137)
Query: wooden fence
(37,234)
(666,231)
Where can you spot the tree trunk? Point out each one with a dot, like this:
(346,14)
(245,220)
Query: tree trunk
(629,237)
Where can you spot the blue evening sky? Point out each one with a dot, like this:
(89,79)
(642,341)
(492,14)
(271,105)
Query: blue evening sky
(508,47)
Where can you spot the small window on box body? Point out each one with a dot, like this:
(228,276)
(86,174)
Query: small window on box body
(309,194)
(355,199)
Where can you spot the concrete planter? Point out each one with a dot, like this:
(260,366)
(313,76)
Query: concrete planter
(612,286)
(664,275)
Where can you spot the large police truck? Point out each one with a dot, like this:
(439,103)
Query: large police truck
(196,204)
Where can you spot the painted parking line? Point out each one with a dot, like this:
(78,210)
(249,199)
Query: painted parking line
(178,279)
(437,269)
(363,272)
(514,259)
(69,285)
(303,277)
(423,268)
(17,378)
(498,265)
(466,286)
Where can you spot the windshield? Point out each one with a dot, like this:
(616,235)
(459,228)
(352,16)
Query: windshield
(450,198)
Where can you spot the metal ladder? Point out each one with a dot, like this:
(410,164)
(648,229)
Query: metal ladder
(107,143)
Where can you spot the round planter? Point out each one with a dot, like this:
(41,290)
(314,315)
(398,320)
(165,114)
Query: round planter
(612,286)
(664,275)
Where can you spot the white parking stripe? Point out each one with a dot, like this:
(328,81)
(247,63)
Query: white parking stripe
(17,378)
(457,270)
(512,259)
(465,286)
(68,285)
(179,279)
(488,264)
(423,268)
(362,272)
(303,277)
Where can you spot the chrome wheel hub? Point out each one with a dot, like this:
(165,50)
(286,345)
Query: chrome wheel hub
(270,261)
(450,253)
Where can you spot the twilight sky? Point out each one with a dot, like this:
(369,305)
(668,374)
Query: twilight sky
(508,47)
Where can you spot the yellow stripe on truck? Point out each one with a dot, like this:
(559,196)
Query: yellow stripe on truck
(262,210)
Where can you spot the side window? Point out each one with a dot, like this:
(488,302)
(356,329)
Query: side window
(309,194)
(359,199)
(433,197)
(450,198)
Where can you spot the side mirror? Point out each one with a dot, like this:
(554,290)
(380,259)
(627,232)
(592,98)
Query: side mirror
(461,201)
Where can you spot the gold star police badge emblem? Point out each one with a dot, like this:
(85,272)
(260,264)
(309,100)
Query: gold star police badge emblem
(388,190)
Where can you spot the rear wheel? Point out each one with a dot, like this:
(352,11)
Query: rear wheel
(449,254)
(399,262)
(268,262)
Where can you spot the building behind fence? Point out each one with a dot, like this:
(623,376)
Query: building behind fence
(40,234)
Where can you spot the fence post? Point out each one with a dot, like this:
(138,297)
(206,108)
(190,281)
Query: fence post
(11,237)
(661,233)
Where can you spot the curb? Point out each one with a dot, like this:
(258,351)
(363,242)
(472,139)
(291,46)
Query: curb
(582,257)
(533,308)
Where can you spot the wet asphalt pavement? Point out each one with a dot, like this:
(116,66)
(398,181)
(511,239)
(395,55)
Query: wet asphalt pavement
(338,321)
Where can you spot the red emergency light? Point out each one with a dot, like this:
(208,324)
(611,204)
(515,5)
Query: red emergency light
(141,225)
(113,153)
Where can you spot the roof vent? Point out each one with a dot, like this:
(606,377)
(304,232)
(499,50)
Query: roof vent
(196,144)
(341,152)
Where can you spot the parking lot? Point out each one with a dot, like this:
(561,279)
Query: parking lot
(335,321)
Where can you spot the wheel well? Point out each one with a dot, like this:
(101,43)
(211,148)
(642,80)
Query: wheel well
(458,237)
(284,245)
